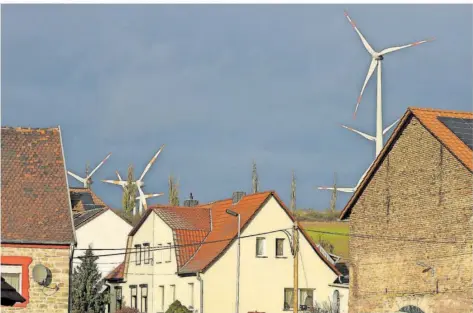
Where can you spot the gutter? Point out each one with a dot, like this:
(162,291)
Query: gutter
(199,278)
(71,264)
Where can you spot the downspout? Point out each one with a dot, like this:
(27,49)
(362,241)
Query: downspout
(199,278)
(71,264)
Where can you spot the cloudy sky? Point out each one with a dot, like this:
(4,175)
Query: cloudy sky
(222,85)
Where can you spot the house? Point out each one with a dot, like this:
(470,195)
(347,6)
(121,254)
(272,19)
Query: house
(411,219)
(37,227)
(99,227)
(190,254)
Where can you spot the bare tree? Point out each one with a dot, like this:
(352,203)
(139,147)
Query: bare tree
(293,192)
(255,180)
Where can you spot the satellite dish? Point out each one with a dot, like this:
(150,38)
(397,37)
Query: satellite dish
(42,275)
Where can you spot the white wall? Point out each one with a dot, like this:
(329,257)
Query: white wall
(156,273)
(107,230)
(262,280)
(343,292)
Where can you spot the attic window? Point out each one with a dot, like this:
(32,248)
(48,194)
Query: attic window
(260,246)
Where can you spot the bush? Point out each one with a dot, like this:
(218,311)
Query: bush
(128,310)
(177,307)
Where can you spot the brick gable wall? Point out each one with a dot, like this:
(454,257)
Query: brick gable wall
(419,191)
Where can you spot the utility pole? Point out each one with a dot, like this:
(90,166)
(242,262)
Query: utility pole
(295,236)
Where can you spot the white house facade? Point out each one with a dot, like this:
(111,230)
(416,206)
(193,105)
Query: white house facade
(190,254)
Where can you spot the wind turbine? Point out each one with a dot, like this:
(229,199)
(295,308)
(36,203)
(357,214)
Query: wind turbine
(376,60)
(139,184)
(87,181)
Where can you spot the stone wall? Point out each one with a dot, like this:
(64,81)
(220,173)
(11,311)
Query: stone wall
(44,300)
(420,191)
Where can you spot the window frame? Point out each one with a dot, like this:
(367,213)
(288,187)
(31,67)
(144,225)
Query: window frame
(24,262)
(191,294)
(137,254)
(168,253)
(144,298)
(264,253)
(173,292)
(291,303)
(312,290)
(299,295)
(146,253)
(282,248)
(162,292)
(159,259)
(134,297)
(118,299)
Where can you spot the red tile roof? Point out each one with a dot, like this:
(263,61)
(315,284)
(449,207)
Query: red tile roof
(36,206)
(429,119)
(116,273)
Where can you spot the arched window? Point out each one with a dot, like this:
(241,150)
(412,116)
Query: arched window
(411,309)
(336,301)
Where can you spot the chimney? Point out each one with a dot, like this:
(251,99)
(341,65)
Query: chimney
(237,195)
(191,202)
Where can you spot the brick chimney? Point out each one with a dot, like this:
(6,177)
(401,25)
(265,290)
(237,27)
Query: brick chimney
(237,196)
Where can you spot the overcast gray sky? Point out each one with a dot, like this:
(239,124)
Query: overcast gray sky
(222,85)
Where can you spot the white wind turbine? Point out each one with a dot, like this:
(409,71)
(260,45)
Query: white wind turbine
(376,59)
(139,184)
(87,181)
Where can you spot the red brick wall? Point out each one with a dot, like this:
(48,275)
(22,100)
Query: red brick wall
(419,191)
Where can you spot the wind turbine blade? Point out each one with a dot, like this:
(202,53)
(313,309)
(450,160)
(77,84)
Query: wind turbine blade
(363,40)
(152,195)
(390,126)
(371,69)
(341,189)
(82,180)
(151,162)
(142,197)
(115,182)
(100,164)
(392,49)
(118,175)
(360,133)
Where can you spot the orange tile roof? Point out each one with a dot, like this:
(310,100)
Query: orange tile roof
(116,273)
(203,233)
(429,119)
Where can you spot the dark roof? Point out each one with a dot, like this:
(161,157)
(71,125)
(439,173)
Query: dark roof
(343,268)
(430,120)
(9,295)
(36,206)
(83,199)
(83,218)
(461,127)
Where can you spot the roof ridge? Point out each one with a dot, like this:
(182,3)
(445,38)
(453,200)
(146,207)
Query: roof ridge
(23,128)
(228,199)
(439,110)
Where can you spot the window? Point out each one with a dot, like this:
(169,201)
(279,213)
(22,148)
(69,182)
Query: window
(336,301)
(173,293)
(168,252)
(159,258)
(279,247)
(161,298)
(260,246)
(144,298)
(118,297)
(191,294)
(133,291)
(12,275)
(138,254)
(15,271)
(147,253)
(306,297)
(288,298)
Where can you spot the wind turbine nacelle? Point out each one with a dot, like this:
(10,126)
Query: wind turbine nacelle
(379,57)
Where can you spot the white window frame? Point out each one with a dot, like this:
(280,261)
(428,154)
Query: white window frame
(173,292)
(161,296)
(263,240)
(276,248)
(159,258)
(168,252)
(191,294)
(14,269)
